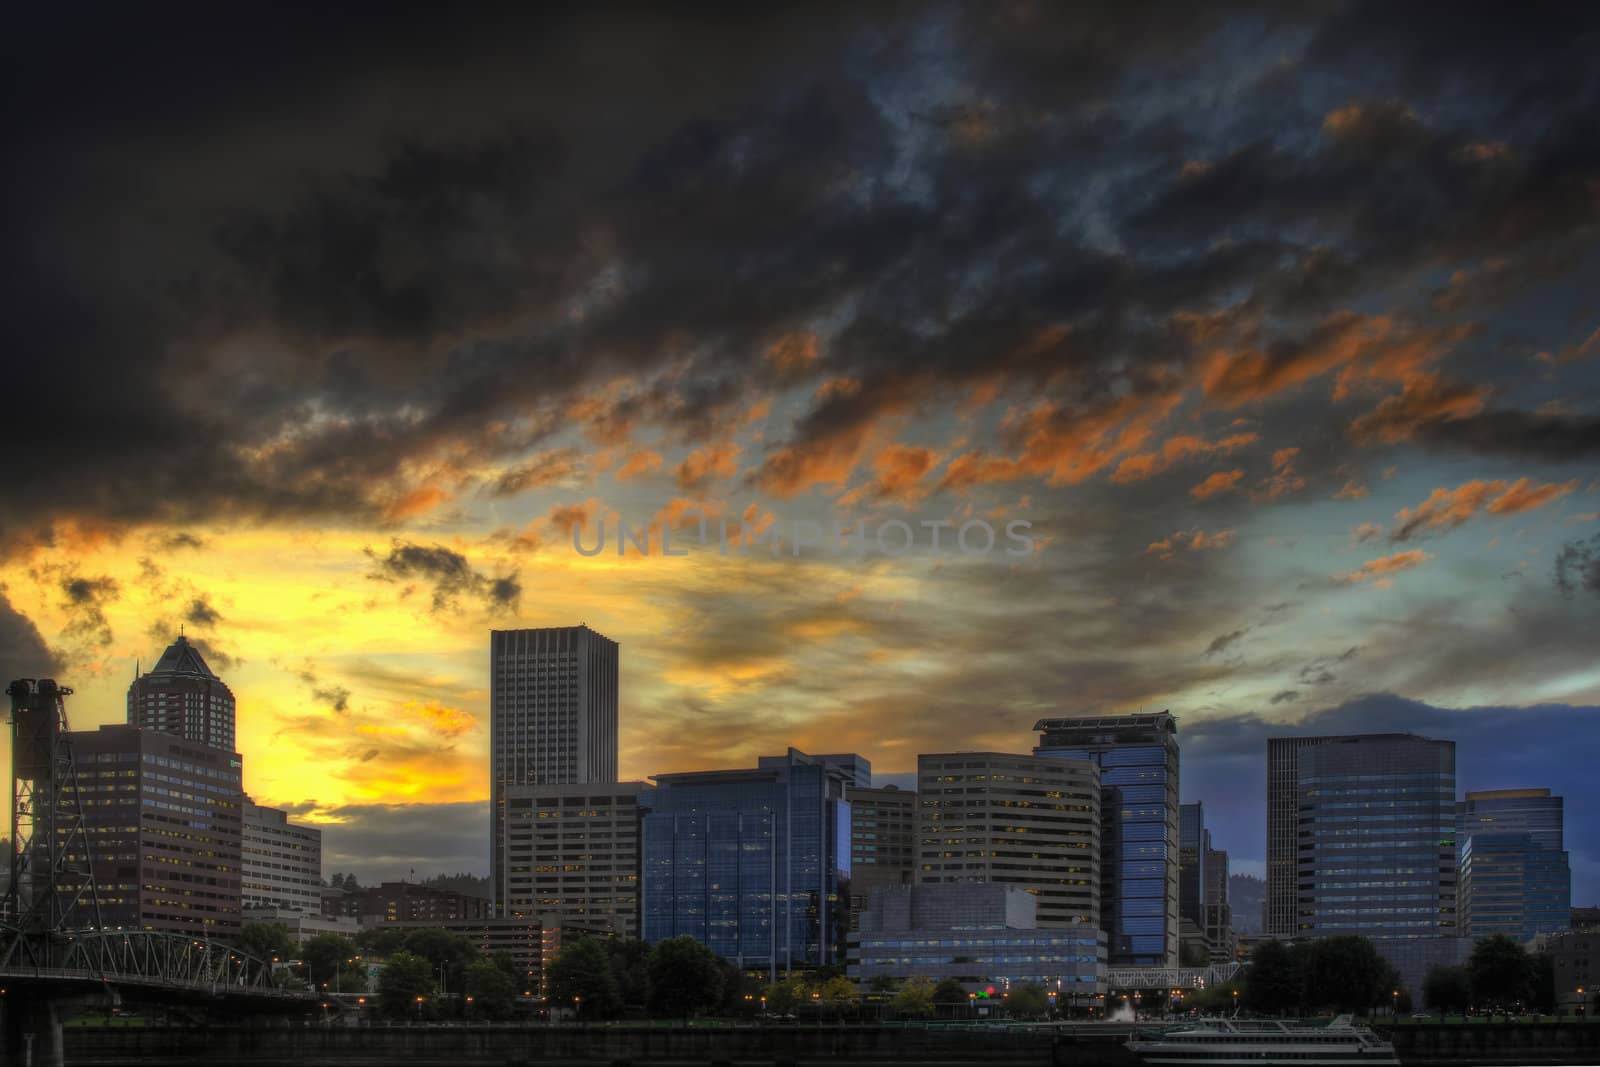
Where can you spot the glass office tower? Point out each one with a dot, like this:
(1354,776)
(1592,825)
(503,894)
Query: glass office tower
(753,864)
(1512,811)
(1377,836)
(1511,884)
(1138,758)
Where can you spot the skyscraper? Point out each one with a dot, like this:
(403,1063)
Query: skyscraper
(1283,828)
(1138,760)
(1024,820)
(1515,875)
(1376,837)
(1193,844)
(281,864)
(552,719)
(163,816)
(182,696)
(750,863)
(883,835)
(1512,811)
(572,856)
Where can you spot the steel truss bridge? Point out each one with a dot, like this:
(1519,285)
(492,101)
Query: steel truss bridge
(1171,977)
(148,959)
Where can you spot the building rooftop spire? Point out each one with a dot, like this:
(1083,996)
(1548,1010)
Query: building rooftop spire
(182,658)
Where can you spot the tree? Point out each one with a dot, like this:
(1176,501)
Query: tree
(787,994)
(1272,982)
(628,964)
(915,998)
(949,991)
(1193,954)
(406,976)
(1542,977)
(838,993)
(1447,990)
(1028,1001)
(582,975)
(330,960)
(685,977)
(882,983)
(491,992)
(1500,973)
(1346,973)
(266,942)
(448,953)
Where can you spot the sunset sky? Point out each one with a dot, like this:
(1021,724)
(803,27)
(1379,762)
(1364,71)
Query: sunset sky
(1281,331)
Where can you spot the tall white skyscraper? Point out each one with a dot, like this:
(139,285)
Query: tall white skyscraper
(552,719)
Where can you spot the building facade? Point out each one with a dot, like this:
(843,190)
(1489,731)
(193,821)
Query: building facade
(1020,820)
(519,939)
(1511,884)
(980,934)
(572,854)
(1138,760)
(407,902)
(883,835)
(750,863)
(1193,843)
(281,861)
(182,696)
(552,719)
(1217,913)
(1513,811)
(165,825)
(1281,912)
(1377,848)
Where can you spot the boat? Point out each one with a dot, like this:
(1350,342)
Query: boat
(1219,1042)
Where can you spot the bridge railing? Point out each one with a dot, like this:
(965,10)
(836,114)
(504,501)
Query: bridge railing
(147,957)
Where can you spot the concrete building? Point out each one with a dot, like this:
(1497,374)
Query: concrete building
(407,902)
(1511,884)
(552,719)
(303,925)
(1221,941)
(180,695)
(980,934)
(165,823)
(281,861)
(1193,843)
(572,856)
(883,836)
(750,863)
(1138,760)
(1575,961)
(1021,820)
(1282,907)
(1377,851)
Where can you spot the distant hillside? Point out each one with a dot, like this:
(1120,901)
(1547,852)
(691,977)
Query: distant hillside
(1247,896)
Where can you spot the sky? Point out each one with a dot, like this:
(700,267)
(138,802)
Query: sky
(327,333)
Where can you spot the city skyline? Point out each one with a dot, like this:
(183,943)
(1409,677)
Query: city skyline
(1276,327)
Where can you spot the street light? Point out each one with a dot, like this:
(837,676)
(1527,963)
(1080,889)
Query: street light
(1394,1003)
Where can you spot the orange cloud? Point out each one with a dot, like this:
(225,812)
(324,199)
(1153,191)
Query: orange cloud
(1065,446)
(1174,449)
(1351,490)
(793,354)
(1220,482)
(705,465)
(1385,566)
(417,502)
(1192,540)
(440,718)
(899,473)
(638,465)
(1426,399)
(565,516)
(1364,348)
(1449,508)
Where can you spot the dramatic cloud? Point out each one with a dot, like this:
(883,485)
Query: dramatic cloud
(1385,566)
(1449,508)
(449,574)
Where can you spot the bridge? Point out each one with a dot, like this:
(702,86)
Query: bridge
(55,949)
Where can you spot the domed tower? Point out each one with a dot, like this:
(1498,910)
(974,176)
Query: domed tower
(183,696)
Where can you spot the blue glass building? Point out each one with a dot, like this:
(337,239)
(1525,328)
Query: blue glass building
(1376,848)
(1138,759)
(753,864)
(1513,885)
(1515,876)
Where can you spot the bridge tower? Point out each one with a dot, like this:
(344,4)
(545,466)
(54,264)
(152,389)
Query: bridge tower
(52,875)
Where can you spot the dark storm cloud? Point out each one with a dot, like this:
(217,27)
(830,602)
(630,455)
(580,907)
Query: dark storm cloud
(449,574)
(201,613)
(383,841)
(23,653)
(419,268)
(84,600)
(1578,567)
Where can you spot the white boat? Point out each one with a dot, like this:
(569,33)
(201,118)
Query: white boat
(1220,1042)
